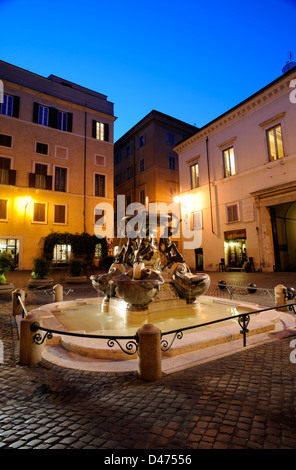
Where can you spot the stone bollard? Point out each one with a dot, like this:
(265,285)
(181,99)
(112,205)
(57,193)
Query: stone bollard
(30,352)
(58,293)
(16,307)
(280,294)
(149,353)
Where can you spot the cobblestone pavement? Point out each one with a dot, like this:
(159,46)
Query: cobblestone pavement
(243,401)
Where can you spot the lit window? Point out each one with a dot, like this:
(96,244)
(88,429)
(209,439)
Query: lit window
(194,174)
(39,212)
(100,131)
(40,176)
(229,164)
(275,143)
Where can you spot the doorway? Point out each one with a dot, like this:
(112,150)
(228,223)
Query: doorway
(235,247)
(283,223)
(11,246)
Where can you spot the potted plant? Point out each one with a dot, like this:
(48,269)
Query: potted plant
(6,263)
(40,273)
(76,267)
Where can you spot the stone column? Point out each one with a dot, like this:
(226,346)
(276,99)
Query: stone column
(58,293)
(30,352)
(149,353)
(280,293)
(16,307)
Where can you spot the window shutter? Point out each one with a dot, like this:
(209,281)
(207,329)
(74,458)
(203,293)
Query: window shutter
(35,112)
(48,182)
(16,106)
(11,177)
(106,132)
(94,132)
(53,118)
(70,122)
(32,178)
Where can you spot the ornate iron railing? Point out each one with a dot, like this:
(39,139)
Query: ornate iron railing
(131,346)
(243,321)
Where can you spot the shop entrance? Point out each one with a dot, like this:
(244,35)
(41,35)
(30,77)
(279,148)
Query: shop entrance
(283,222)
(11,246)
(235,247)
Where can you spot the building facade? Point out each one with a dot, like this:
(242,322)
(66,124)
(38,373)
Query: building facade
(238,183)
(56,161)
(146,167)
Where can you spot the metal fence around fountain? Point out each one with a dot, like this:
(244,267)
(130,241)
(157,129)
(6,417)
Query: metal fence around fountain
(131,346)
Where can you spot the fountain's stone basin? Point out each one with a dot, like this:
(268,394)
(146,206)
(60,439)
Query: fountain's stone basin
(57,316)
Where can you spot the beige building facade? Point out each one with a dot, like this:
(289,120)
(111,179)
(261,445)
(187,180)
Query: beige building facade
(146,167)
(238,184)
(56,160)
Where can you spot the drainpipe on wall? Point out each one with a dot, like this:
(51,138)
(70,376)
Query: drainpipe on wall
(210,193)
(84,172)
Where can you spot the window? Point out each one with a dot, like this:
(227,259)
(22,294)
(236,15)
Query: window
(117,180)
(10,106)
(232,213)
(52,117)
(7,176)
(5,140)
(7,105)
(41,148)
(172,162)
(128,150)
(275,143)
(40,179)
(142,165)
(60,179)
(100,131)
(62,121)
(61,254)
(196,220)
(3,209)
(129,172)
(40,176)
(142,196)
(194,175)
(100,185)
(117,158)
(142,140)
(59,214)
(39,212)
(43,113)
(229,164)
(170,138)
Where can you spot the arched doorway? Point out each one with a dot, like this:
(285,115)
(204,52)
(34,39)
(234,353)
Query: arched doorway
(283,221)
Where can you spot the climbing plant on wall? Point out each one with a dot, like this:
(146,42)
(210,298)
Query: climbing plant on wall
(81,244)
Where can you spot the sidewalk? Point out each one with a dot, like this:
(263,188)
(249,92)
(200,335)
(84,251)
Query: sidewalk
(245,400)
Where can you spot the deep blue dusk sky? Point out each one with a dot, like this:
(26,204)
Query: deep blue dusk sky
(190,59)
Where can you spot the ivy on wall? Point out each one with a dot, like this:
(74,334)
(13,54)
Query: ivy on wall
(81,244)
